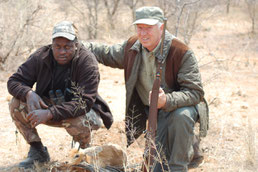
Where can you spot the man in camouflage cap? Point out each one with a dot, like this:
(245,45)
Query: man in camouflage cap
(181,95)
(67,77)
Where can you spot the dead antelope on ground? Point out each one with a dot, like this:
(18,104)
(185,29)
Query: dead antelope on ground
(102,156)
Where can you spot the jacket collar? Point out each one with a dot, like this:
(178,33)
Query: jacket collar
(46,56)
(136,46)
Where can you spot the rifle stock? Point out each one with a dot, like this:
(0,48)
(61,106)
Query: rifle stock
(150,148)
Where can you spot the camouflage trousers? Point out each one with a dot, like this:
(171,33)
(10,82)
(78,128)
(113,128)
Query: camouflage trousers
(79,127)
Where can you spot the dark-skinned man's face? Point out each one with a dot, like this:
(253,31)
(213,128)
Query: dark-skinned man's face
(63,50)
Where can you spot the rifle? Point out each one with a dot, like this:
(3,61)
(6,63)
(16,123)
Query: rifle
(150,149)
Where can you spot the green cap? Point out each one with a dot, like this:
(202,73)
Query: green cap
(64,29)
(149,15)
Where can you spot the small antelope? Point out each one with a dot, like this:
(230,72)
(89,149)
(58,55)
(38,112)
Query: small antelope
(101,156)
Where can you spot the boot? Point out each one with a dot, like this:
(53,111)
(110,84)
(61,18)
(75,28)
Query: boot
(196,162)
(40,155)
(198,158)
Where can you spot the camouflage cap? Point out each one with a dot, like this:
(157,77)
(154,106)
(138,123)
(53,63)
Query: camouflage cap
(64,29)
(149,15)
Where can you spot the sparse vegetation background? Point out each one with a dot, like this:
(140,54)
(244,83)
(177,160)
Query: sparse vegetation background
(222,33)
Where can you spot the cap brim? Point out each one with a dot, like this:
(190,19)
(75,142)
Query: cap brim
(146,21)
(69,36)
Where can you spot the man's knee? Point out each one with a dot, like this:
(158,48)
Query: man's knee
(17,110)
(14,104)
(183,117)
(80,128)
(185,114)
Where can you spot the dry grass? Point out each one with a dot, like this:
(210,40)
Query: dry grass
(250,142)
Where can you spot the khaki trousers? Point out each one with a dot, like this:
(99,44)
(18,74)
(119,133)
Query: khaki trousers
(79,127)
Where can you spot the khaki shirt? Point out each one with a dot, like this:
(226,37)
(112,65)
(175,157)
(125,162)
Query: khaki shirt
(147,74)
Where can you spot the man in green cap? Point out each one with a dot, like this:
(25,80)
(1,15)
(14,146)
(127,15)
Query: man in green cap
(181,94)
(66,76)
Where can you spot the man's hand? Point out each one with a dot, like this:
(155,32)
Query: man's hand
(34,102)
(162,99)
(40,116)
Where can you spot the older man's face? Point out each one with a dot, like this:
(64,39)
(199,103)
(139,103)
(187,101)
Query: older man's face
(63,50)
(149,35)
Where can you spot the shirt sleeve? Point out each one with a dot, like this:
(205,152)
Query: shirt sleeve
(189,80)
(112,56)
(22,81)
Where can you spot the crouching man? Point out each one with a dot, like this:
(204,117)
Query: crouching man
(66,95)
(181,100)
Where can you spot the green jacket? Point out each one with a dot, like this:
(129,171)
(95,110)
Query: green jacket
(186,91)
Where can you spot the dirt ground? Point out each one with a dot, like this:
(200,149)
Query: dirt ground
(228,60)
